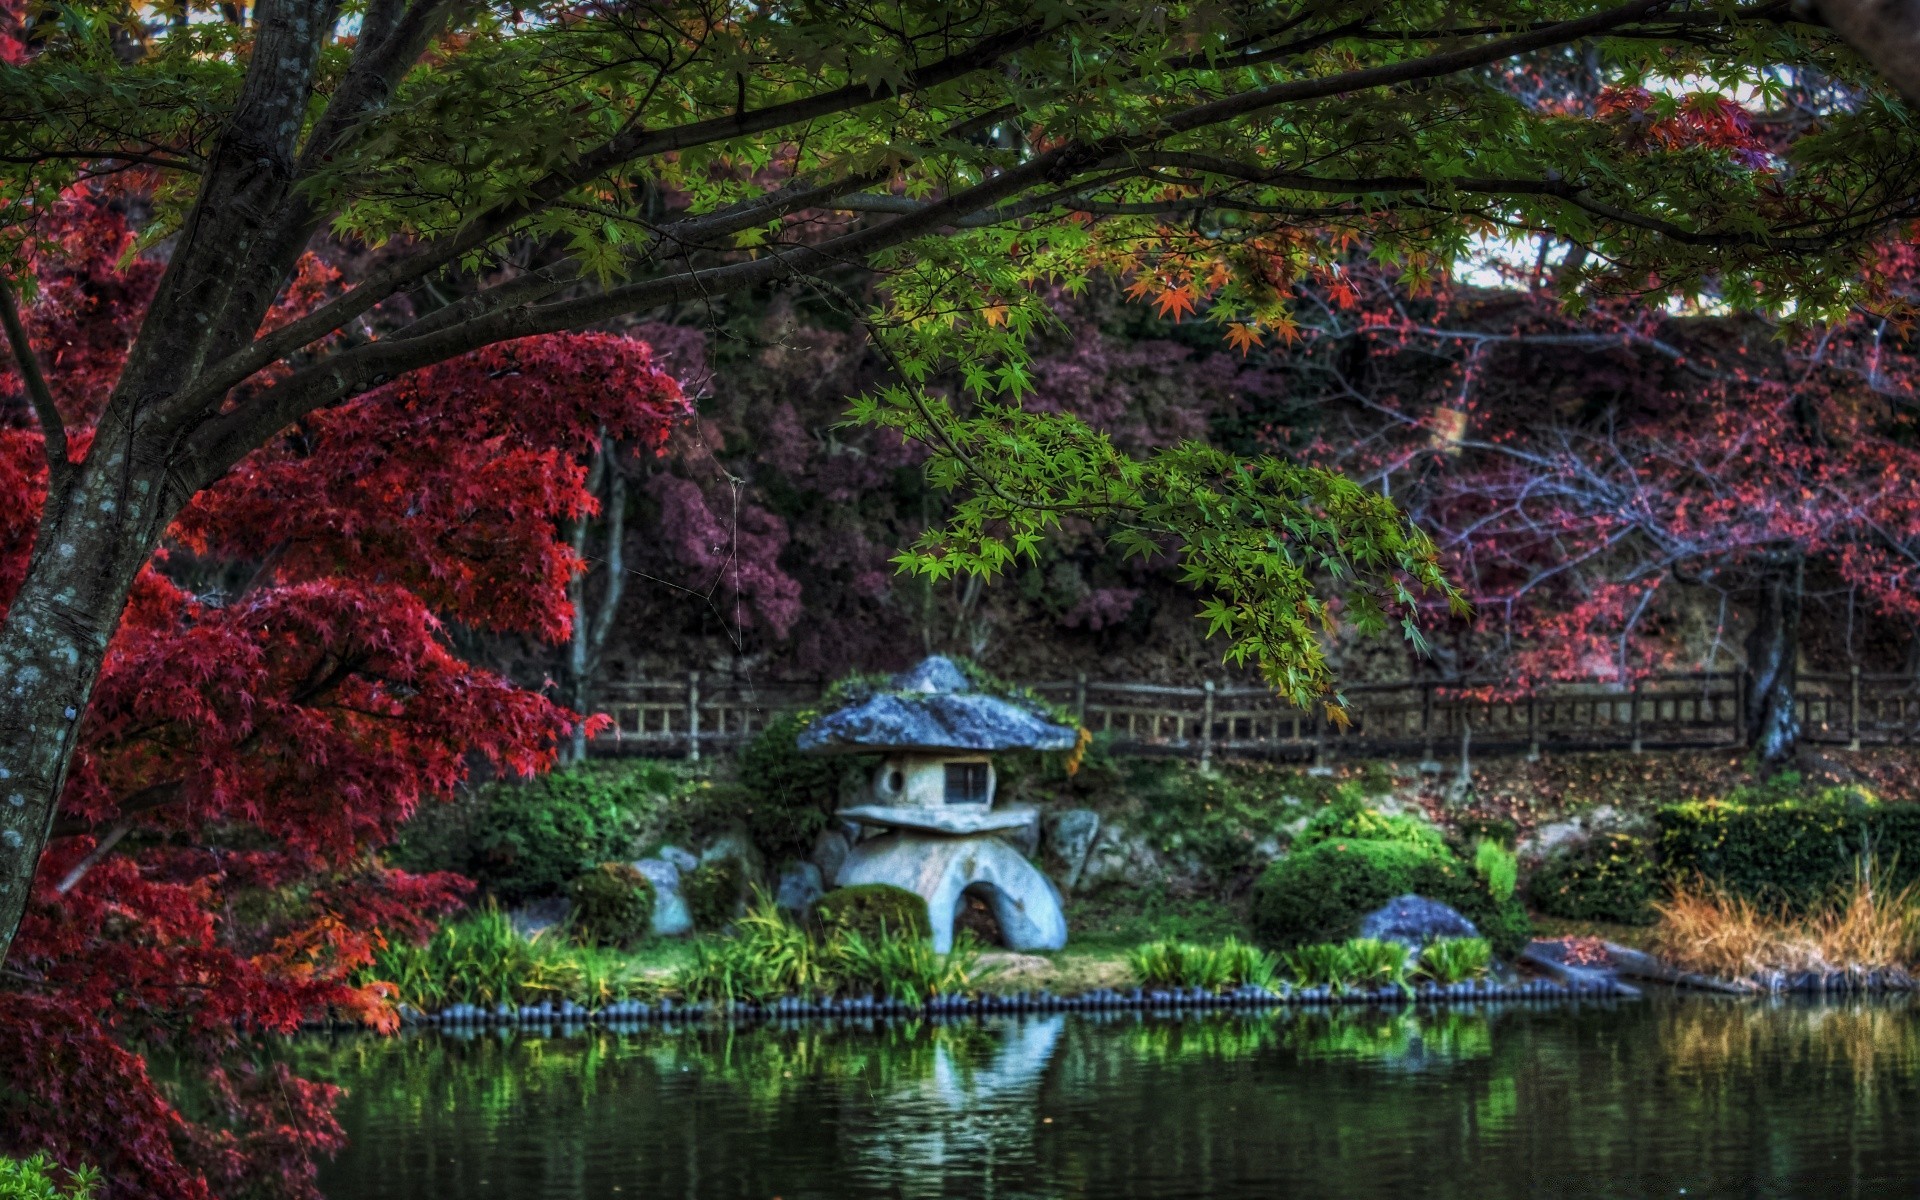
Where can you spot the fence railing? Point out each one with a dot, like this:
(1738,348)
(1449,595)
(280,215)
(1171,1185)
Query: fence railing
(697,714)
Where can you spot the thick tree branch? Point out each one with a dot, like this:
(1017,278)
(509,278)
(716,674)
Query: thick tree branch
(1886,33)
(53,431)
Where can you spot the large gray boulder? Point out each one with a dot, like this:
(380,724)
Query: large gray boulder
(1067,837)
(670,915)
(1414,921)
(941,870)
(829,851)
(800,886)
(1128,859)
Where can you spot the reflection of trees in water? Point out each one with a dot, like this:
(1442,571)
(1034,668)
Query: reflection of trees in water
(1873,1042)
(1644,1096)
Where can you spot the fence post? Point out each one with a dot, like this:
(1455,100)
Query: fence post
(1633,702)
(1426,721)
(1080,699)
(1206,726)
(693,716)
(1853,709)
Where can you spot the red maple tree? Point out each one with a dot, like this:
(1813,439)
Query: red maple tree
(279,698)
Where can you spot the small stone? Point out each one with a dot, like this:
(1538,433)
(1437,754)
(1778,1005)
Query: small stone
(671,917)
(1067,837)
(799,888)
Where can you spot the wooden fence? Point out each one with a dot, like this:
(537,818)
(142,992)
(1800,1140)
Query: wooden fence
(697,715)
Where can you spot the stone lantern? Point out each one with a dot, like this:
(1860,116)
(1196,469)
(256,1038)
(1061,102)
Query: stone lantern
(934,795)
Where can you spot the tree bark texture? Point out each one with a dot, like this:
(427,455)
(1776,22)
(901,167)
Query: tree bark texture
(593,624)
(1886,33)
(1773,651)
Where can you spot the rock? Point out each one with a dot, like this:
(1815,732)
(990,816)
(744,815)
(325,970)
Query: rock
(1267,849)
(1545,839)
(829,851)
(957,820)
(736,845)
(799,887)
(1413,921)
(1120,857)
(678,857)
(536,916)
(670,915)
(1024,901)
(1024,837)
(1068,837)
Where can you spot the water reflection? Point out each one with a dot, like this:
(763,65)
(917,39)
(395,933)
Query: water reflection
(1743,1098)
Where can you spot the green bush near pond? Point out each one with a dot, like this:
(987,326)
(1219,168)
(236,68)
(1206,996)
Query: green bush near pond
(1609,877)
(482,959)
(612,904)
(788,797)
(713,891)
(1319,894)
(1229,964)
(531,838)
(769,957)
(1794,851)
(873,910)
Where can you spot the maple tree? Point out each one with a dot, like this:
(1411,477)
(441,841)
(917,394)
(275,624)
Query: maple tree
(562,166)
(278,699)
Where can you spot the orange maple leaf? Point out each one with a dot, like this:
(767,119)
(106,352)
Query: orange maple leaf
(1176,302)
(1244,337)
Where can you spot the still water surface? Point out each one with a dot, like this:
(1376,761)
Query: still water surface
(1658,1098)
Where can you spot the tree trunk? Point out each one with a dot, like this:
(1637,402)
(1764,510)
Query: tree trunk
(591,624)
(1773,651)
(99,528)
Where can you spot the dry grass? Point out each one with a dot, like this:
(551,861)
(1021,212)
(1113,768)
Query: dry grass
(1864,927)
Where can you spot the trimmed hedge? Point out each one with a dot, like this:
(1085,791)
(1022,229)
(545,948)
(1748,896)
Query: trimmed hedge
(612,904)
(1610,877)
(1793,852)
(532,838)
(865,907)
(1319,894)
(713,892)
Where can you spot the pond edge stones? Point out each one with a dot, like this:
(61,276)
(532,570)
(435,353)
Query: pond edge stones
(934,795)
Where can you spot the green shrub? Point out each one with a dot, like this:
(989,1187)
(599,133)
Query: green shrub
(713,892)
(1348,817)
(531,838)
(789,796)
(1354,963)
(1499,867)
(34,1179)
(1232,963)
(768,957)
(1319,894)
(482,959)
(1609,877)
(612,904)
(1450,960)
(902,967)
(1788,851)
(873,909)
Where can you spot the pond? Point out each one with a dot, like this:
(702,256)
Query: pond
(1667,1097)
